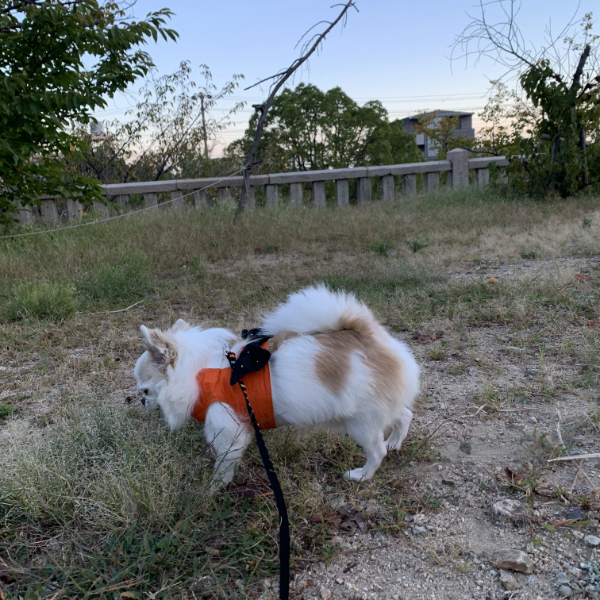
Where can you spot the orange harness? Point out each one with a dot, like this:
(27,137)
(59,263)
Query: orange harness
(214,387)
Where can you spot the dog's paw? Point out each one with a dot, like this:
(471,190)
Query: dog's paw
(392,444)
(355,474)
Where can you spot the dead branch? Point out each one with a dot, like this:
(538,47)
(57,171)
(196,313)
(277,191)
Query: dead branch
(280,78)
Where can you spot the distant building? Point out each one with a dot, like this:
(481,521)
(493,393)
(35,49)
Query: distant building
(427,146)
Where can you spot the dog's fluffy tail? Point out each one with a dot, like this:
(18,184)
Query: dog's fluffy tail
(319,310)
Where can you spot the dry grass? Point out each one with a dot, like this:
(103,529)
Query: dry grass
(95,495)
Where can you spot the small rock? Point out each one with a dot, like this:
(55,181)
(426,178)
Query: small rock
(325,594)
(417,530)
(420,519)
(564,591)
(473,371)
(515,560)
(509,508)
(508,581)
(337,502)
(465,447)
(575,571)
(560,579)
(592,540)
(575,514)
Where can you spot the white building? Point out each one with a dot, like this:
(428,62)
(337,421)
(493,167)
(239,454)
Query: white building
(464,128)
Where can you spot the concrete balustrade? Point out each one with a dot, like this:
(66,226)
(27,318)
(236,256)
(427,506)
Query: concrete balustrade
(457,168)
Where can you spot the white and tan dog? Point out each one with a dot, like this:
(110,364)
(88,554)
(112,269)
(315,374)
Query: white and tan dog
(332,365)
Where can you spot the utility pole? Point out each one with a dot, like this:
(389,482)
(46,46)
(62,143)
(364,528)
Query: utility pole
(204,126)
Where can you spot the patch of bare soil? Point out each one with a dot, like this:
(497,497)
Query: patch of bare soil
(494,432)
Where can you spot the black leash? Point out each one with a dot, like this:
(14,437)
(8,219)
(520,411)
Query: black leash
(284,526)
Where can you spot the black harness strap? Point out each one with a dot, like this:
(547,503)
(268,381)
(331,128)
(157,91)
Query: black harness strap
(284,526)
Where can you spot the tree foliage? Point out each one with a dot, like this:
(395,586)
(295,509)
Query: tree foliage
(166,135)
(59,61)
(549,124)
(308,129)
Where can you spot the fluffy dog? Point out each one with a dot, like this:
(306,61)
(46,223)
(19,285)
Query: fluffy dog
(332,365)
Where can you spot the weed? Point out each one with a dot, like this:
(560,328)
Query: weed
(381,246)
(437,352)
(127,279)
(537,447)
(529,255)
(417,244)
(6,410)
(197,268)
(41,301)
(587,223)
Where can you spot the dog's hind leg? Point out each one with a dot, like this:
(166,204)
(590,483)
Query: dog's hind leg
(229,436)
(401,425)
(371,440)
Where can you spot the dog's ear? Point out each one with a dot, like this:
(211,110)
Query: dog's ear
(180,325)
(162,350)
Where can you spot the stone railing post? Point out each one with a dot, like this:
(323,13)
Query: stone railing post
(482,177)
(177,199)
(103,209)
(459,176)
(150,200)
(387,188)
(271,195)
(74,209)
(24,214)
(296,194)
(49,211)
(364,190)
(200,199)
(431,183)
(122,200)
(224,197)
(318,193)
(342,192)
(409,185)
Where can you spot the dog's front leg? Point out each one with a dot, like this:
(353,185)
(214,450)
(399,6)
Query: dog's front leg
(229,436)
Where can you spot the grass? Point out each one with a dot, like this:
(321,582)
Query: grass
(100,500)
(40,301)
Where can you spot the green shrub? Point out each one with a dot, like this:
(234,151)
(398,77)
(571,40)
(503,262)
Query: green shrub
(128,279)
(529,255)
(6,410)
(41,300)
(417,244)
(381,246)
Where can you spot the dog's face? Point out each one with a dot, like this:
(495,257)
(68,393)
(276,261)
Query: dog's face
(153,366)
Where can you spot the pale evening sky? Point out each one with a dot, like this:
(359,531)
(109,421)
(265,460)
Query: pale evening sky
(393,51)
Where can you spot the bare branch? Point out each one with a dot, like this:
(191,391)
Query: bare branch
(276,86)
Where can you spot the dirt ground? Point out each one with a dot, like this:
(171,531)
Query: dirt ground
(487,453)
(493,407)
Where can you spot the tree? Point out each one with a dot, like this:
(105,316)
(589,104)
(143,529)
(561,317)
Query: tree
(554,138)
(164,133)
(309,129)
(59,61)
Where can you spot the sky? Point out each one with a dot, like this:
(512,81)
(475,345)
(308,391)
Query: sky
(392,51)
